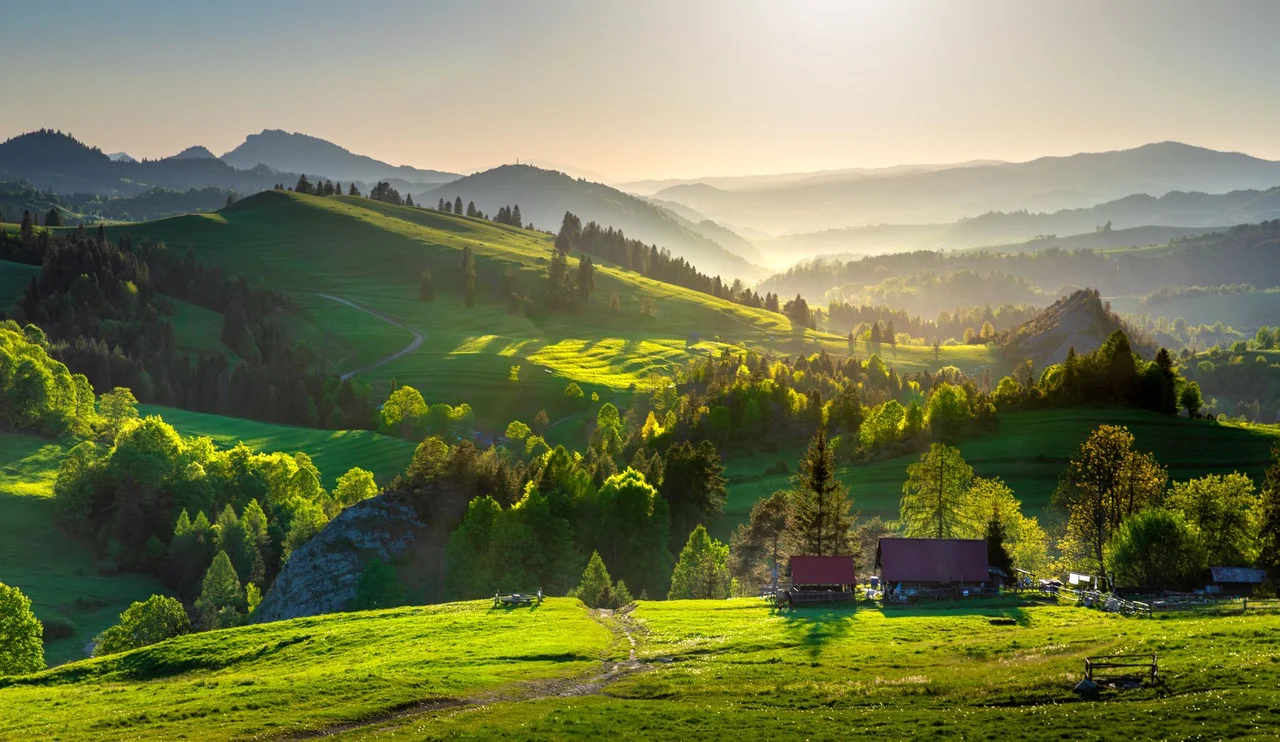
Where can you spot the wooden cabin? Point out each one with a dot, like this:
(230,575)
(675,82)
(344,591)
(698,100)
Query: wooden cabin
(821,579)
(908,566)
(1239,581)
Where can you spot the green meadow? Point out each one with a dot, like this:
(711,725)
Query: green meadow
(14,278)
(1028,451)
(332,451)
(669,670)
(62,574)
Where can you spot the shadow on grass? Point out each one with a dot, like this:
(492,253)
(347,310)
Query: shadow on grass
(814,628)
(1001,610)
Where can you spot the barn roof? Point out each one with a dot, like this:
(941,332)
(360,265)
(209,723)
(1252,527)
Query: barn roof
(822,570)
(932,560)
(1238,574)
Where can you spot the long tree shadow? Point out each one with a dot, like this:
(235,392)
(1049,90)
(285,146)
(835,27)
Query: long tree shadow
(814,628)
(1000,610)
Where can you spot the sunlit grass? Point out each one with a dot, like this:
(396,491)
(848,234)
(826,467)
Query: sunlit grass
(332,451)
(58,571)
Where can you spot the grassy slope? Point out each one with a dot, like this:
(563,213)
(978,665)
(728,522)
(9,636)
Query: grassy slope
(374,253)
(713,669)
(1029,452)
(198,330)
(57,571)
(14,278)
(332,451)
(307,673)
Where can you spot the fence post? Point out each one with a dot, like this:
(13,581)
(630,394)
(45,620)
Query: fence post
(1244,605)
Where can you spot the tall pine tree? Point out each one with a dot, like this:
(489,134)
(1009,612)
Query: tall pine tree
(821,503)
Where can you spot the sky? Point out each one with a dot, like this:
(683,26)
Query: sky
(653,89)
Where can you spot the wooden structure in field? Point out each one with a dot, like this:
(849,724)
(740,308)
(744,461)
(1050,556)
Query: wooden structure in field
(820,579)
(940,567)
(1234,581)
(1122,669)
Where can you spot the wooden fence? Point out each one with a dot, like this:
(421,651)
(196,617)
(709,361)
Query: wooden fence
(1194,604)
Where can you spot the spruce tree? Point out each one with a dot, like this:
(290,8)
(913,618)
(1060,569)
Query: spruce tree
(821,502)
(515,216)
(997,550)
(457,205)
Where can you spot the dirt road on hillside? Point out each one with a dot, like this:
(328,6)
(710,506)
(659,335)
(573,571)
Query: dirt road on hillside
(406,350)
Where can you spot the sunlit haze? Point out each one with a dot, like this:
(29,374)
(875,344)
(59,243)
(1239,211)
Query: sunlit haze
(652,89)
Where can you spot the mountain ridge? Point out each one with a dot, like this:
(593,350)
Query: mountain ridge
(545,195)
(1050,183)
(303,153)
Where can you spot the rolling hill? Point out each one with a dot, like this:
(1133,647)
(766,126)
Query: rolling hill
(545,195)
(373,254)
(299,153)
(1044,184)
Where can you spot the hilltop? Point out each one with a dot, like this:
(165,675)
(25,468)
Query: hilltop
(300,153)
(1081,321)
(1045,184)
(545,195)
(196,152)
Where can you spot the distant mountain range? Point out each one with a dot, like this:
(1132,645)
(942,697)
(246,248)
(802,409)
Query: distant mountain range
(936,196)
(299,153)
(740,182)
(55,161)
(545,195)
(1175,214)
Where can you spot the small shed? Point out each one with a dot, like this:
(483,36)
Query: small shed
(932,562)
(823,573)
(820,579)
(1234,580)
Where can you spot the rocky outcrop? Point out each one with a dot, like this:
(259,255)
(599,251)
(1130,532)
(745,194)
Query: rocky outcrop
(321,576)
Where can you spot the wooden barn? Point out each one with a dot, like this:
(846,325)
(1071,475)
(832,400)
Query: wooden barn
(909,566)
(1241,581)
(819,579)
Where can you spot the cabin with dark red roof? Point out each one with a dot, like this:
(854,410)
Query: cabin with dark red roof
(906,564)
(820,579)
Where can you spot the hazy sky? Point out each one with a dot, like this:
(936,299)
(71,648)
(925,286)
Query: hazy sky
(654,88)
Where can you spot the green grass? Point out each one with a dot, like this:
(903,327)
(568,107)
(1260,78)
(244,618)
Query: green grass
(1029,452)
(198,330)
(707,670)
(373,253)
(59,572)
(332,451)
(303,674)
(14,278)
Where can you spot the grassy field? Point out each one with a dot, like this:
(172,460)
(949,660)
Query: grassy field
(198,330)
(304,674)
(374,253)
(1029,452)
(14,278)
(332,451)
(60,573)
(701,670)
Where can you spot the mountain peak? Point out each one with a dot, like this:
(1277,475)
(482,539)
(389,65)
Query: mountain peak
(196,152)
(303,153)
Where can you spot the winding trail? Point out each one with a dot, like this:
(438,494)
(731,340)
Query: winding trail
(406,350)
(618,622)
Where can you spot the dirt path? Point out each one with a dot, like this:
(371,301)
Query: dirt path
(411,347)
(588,684)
